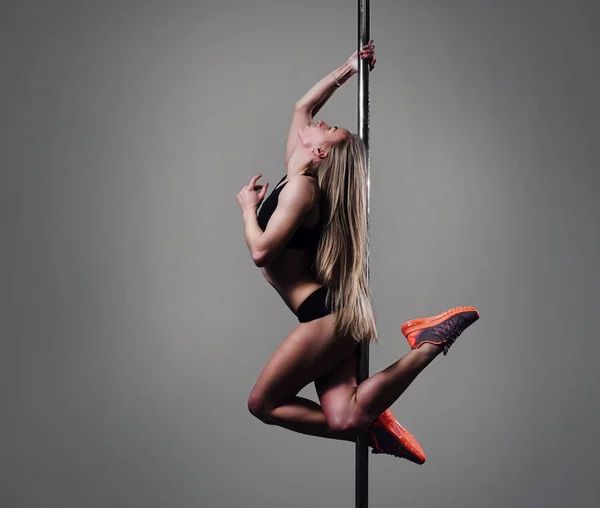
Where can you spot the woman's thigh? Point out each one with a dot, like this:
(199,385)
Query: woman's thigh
(336,390)
(307,353)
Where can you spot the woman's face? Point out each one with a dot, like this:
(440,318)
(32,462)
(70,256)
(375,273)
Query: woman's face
(321,135)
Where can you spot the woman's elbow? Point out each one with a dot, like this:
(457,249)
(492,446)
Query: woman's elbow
(265,257)
(302,105)
(260,258)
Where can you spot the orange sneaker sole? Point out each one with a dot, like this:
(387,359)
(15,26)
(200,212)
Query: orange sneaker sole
(391,438)
(415,325)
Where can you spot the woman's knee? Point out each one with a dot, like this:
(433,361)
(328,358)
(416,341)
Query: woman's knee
(340,423)
(344,422)
(257,405)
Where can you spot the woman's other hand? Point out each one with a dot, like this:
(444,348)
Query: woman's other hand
(367,52)
(248,198)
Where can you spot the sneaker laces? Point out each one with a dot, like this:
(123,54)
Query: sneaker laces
(448,331)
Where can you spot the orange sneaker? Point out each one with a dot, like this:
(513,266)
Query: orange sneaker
(442,329)
(386,435)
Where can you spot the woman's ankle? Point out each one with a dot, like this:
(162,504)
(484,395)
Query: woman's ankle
(428,351)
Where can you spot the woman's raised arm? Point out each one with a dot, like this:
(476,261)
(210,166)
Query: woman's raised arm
(317,96)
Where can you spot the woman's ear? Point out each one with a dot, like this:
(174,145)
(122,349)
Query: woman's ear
(321,153)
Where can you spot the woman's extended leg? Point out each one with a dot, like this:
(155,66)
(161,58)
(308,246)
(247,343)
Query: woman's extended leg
(356,406)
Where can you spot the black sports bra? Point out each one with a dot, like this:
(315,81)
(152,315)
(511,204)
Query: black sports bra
(304,238)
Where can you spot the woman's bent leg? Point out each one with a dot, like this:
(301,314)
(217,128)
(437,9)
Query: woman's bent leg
(311,350)
(306,417)
(347,407)
(313,353)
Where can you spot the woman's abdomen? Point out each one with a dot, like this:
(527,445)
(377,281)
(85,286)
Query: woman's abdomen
(290,277)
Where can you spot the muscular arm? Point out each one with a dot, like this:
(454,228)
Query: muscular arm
(294,202)
(311,103)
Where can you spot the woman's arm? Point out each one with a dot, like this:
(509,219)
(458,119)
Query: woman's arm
(312,102)
(318,95)
(295,201)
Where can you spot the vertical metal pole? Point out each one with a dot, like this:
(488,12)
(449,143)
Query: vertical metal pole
(362,456)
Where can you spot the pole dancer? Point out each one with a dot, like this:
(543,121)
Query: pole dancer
(310,241)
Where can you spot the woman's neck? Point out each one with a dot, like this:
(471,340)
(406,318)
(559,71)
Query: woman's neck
(297,164)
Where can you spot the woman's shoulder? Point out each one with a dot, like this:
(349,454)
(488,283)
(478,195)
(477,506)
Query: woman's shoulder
(301,188)
(310,181)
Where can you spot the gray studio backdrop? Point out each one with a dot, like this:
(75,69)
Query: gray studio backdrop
(134,322)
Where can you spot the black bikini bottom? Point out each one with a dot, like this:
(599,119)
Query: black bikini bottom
(313,307)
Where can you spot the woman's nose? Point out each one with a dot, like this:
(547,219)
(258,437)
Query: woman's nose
(320,123)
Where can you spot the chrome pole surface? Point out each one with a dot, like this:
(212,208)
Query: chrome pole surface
(362,357)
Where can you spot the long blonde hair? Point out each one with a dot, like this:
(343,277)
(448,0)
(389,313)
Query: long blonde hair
(341,255)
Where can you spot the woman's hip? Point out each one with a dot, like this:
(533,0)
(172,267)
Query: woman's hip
(314,306)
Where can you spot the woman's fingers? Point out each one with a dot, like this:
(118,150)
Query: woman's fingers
(263,191)
(368,51)
(370,55)
(368,47)
(253,181)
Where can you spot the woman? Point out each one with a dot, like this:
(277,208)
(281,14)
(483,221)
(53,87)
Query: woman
(309,239)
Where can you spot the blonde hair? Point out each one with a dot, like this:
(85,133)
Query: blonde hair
(341,255)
